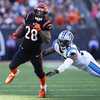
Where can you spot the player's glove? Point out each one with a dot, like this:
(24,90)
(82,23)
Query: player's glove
(52,73)
(37,27)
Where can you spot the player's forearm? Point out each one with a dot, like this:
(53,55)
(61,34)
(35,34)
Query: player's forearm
(61,68)
(20,29)
(48,51)
(67,63)
(18,33)
(46,36)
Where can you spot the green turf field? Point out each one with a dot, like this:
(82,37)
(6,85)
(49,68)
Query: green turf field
(71,85)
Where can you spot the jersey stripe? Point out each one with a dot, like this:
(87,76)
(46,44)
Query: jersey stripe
(63,35)
(94,67)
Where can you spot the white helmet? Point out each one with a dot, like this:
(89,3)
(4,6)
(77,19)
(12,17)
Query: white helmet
(65,38)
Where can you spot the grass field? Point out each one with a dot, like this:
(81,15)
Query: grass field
(71,85)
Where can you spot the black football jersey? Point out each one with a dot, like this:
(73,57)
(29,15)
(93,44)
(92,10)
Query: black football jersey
(32,41)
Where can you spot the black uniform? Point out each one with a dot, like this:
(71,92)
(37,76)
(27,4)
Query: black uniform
(30,48)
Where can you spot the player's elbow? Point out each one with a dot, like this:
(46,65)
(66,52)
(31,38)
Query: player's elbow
(47,40)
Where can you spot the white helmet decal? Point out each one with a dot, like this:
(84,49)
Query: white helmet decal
(66,35)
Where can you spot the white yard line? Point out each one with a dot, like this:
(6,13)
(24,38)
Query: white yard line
(58,85)
(48,96)
(59,90)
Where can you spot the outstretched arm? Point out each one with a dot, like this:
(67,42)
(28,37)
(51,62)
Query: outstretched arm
(71,57)
(48,51)
(67,63)
(46,36)
(18,33)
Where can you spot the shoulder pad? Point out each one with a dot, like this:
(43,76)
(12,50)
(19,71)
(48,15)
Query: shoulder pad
(29,16)
(71,51)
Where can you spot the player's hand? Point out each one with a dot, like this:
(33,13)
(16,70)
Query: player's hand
(52,73)
(37,27)
(13,36)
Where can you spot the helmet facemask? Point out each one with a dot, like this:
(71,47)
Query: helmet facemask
(40,11)
(64,44)
(39,14)
(65,39)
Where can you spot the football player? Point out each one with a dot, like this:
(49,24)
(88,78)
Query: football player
(34,31)
(65,47)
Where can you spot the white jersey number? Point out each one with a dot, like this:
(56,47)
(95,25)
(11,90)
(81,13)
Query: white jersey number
(33,33)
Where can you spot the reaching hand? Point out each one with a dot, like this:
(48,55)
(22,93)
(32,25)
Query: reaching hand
(13,36)
(52,73)
(37,27)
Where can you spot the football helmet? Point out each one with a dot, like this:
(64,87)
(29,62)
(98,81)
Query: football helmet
(40,11)
(65,38)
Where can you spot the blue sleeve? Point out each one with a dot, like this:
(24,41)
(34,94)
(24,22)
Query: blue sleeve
(71,51)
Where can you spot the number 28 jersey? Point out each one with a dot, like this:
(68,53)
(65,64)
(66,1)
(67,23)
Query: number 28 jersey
(32,41)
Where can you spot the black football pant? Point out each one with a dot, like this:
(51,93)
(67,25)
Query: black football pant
(21,57)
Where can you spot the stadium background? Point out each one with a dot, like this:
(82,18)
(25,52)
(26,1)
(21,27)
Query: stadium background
(82,17)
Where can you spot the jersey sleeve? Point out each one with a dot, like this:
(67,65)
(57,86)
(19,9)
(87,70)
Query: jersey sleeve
(67,63)
(71,52)
(47,24)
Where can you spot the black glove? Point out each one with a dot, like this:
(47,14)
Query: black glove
(52,73)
